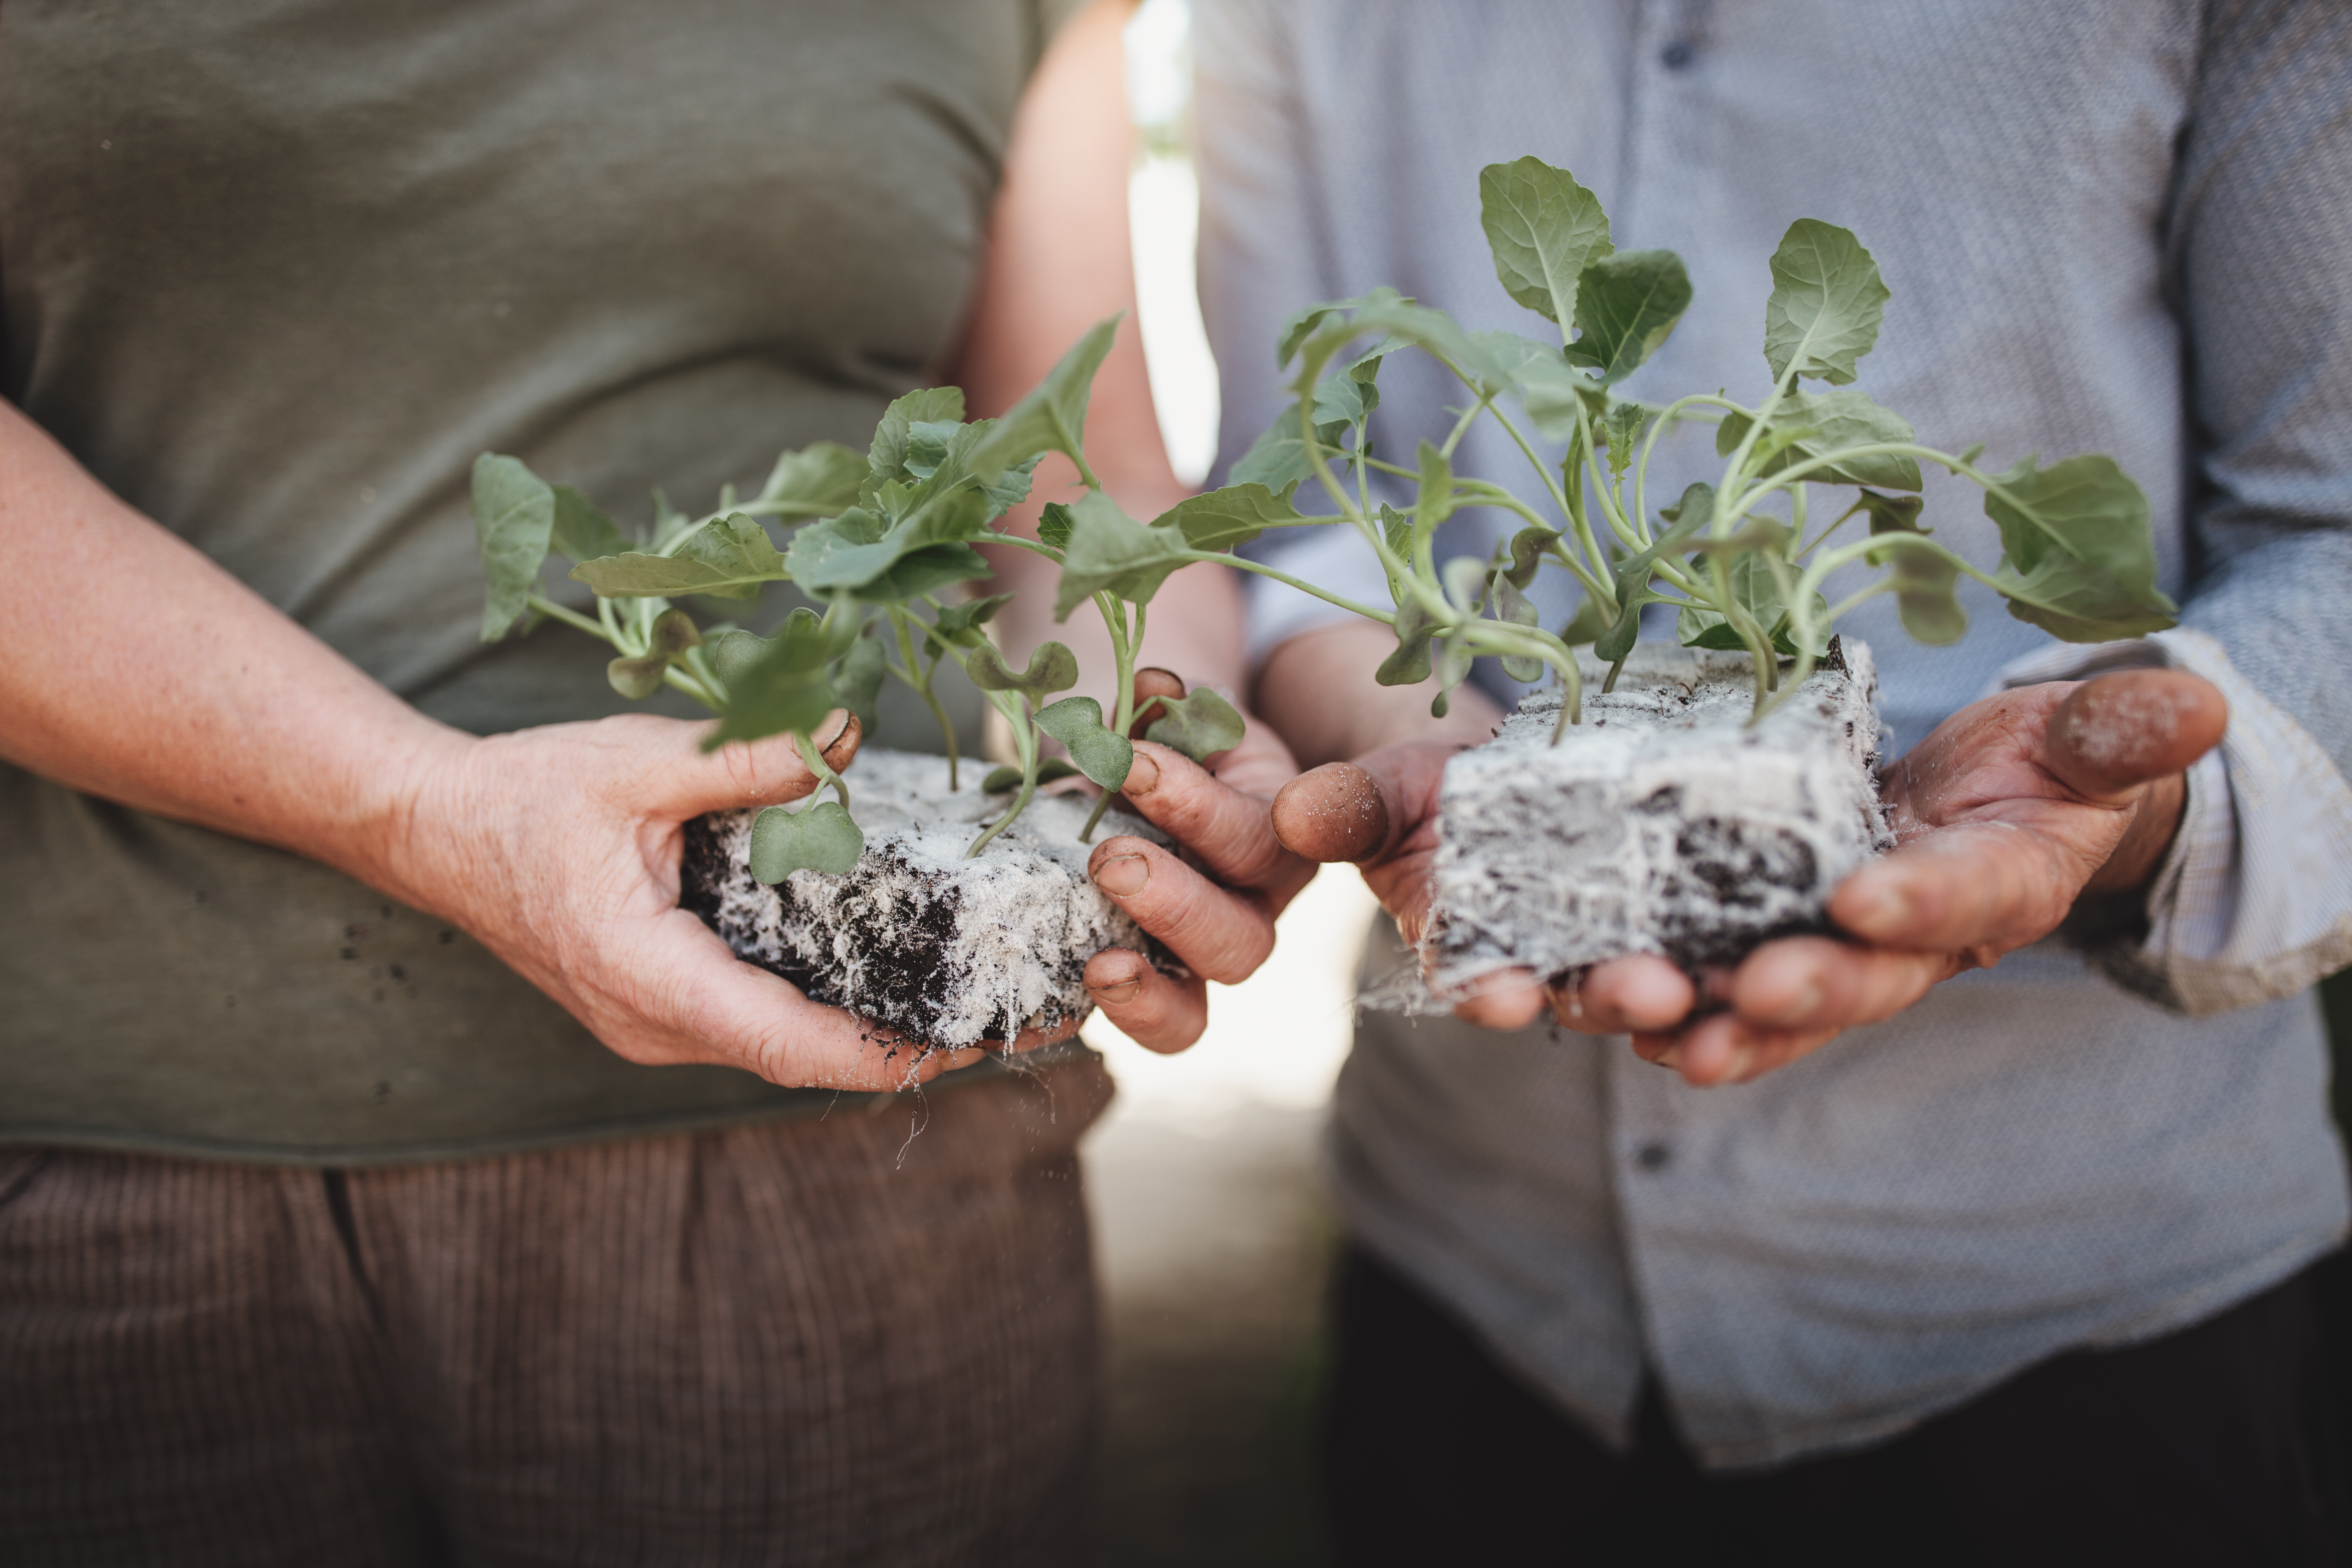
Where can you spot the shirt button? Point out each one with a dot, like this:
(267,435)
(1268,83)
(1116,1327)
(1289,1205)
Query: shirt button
(1677,55)
(1653,1157)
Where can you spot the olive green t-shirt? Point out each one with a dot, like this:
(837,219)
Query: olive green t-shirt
(276,271)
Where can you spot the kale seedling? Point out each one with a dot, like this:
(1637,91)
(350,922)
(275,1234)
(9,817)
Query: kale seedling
(1742,560)
(884,541)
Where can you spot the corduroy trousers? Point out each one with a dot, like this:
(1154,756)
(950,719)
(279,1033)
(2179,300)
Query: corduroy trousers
(799,1342)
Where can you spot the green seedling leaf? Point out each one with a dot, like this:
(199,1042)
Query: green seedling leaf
(1687,517)
(1756,590)
(1924,579)
(886,460)
(1001,780)
(818,480)
(672,633)
(1409,665)
(1103,755)
(1110,551)
(1349,395)
(728,558)
(819,838)
(1301,323)
(1052,667)
(1826,305)
(1621,433)
(961,624)
(1234,515)
(1544,230)
(1587,625)
(514,519)
(1434,500)
(1054,525)
(1820,422)
(1626,304)
(580,531)
(886,563)
(1433,331)
(1053,415)
(1529,546)
(1509,605)
(1465,581)
(1396,531)
(1278,460)
(784,691)
(1200,724)
(734,652)
(2077,557)
(857,678)
(1540,375)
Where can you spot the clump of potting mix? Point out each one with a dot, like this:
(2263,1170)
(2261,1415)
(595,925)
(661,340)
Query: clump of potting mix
(946,949)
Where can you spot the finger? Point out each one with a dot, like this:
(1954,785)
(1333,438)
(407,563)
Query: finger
(1229,831)
(687,781)
(1332,813)
(1507,999)
(1156,1012)
(1723,1049)
(1220,935)
(1641,991)
(1815,983)
(1983,885)
(2115,733)
(1152,682)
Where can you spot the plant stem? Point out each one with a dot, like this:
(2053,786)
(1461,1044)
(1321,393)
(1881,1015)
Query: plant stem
(918,676)
(1014,709)
(806,745)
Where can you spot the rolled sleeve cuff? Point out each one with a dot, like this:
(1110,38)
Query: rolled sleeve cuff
(2253,901)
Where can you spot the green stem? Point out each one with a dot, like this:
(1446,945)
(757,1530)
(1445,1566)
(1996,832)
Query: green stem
(1016,711)
(917,675)
(806,745)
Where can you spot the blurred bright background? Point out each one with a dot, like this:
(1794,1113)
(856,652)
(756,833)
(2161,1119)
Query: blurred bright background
(1212,1232)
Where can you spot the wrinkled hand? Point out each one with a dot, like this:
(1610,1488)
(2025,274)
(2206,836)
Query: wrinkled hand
(557,849)
(1215,904)
(2013,809)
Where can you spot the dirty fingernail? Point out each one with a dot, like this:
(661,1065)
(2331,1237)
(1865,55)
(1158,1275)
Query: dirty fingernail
(1671,1058)
(1117,993)
(1743,1064)
(840,728)
(1142,776)
(1123,876)
(1881,905)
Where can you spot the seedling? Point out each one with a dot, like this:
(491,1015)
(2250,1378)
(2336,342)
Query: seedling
(884,541)
(1742,560)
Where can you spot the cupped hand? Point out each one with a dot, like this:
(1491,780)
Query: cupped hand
(1214,905)
(2014,810)
(557,849)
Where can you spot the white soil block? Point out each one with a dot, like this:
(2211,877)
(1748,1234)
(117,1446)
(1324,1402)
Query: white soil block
(1661,824)
(945,951)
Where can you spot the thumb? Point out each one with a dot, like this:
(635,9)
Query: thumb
(688,781)
(2112,734)
(1336,812)
(1363,810)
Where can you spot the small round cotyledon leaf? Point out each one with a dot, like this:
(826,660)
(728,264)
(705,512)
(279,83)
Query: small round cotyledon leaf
(1200,724)
(636,679)
(1052,667)
(1004,779)
(819,838)
(1103,755)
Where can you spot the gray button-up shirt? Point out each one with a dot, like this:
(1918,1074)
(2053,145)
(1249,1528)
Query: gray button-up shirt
(2114,225)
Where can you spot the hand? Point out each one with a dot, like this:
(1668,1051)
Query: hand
(1213,907)
(2012,811)
(557,849)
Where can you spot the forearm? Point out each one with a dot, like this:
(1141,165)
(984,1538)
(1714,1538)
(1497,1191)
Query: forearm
(1317,690)
(147,675)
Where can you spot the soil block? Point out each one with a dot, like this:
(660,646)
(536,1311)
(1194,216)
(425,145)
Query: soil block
(947,951)
(1661,824)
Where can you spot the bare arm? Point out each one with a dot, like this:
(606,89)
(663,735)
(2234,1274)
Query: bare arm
(1059,261)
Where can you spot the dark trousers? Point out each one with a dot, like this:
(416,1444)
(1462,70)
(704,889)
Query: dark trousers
(2212,1445)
